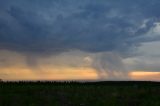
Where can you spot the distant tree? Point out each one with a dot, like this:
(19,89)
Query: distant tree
(1,80)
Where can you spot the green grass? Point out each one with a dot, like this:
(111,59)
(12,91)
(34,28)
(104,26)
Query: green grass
(80,94)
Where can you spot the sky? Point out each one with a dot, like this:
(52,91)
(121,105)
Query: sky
(80,40)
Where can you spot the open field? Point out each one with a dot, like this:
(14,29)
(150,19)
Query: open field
(80,94)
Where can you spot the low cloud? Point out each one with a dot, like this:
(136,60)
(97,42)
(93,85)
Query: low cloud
(110,66)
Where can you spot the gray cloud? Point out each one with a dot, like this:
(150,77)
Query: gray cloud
(110,66)
(44,27)
(147,58)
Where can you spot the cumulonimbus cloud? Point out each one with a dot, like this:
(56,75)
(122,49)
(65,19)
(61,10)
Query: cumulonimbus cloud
(108,33)
(56,26)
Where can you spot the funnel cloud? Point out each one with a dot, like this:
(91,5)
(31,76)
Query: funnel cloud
(110,66)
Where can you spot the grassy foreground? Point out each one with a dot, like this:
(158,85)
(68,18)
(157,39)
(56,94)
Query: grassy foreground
(80,94)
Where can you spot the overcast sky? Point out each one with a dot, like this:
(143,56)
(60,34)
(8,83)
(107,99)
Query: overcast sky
(80,40)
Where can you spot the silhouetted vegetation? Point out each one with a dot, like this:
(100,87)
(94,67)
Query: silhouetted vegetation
(43,93)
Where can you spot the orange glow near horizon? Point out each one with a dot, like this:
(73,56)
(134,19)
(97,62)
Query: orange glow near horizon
(68,73)
(141,75)
(54,74)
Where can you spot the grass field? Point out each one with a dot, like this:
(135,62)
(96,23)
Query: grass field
(80,94)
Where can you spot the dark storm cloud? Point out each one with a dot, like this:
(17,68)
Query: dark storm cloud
(38,26)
